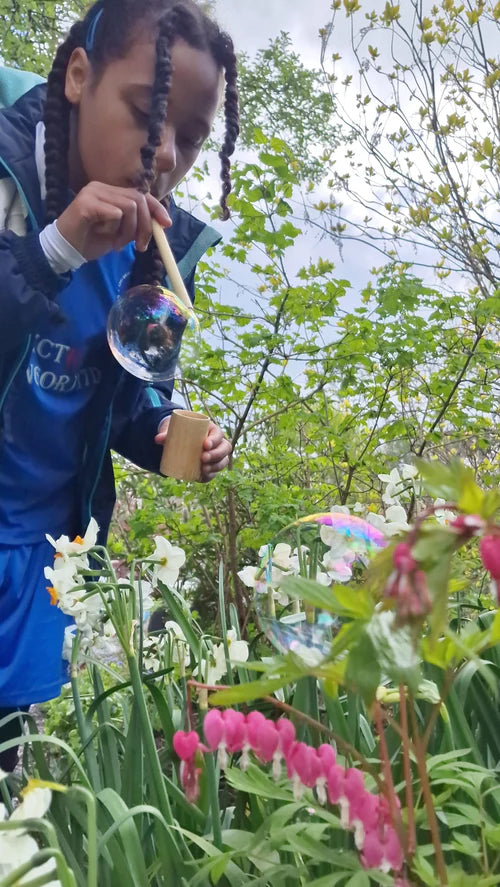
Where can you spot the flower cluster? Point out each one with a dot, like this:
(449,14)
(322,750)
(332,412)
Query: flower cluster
(407,584)
(67,589)
(231,732)
(70,592)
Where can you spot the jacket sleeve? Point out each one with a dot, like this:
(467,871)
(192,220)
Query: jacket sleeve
(28,288)
(136,419)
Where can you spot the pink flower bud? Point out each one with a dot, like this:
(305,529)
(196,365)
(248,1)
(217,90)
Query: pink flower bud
(467,525)
(403,559)
(185,744)
(213,727)
(234,730)
(489,549)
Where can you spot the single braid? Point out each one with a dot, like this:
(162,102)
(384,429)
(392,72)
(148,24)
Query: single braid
(231,111)
(148,267)
(56,118)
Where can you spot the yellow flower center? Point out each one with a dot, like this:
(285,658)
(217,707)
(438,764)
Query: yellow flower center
(42,783)
(54,597)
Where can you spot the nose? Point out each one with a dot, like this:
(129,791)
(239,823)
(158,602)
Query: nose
(166,153)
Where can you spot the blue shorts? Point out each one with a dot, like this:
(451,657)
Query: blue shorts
(31,630)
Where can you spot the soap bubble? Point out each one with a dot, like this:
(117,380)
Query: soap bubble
(146,327)
(330,547)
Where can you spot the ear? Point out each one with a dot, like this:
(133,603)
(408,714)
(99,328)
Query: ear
(77,75)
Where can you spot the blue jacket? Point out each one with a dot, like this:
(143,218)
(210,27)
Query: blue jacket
(126,411)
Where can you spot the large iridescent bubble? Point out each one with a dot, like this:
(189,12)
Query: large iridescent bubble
(330,547)
(146,327)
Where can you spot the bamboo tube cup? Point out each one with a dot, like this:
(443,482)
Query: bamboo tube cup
(183,445)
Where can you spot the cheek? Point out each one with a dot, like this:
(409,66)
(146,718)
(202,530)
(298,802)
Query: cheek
(109,147)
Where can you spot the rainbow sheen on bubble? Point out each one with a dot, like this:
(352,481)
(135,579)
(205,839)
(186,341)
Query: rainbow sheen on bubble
(146,327)
(333,547)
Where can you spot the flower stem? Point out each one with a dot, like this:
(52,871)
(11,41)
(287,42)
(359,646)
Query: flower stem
(411,841)
(427,794)
(155,771)
(83,727)
(389,789)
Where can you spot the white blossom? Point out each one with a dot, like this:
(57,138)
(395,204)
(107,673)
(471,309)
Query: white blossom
(169,560)
(65,548)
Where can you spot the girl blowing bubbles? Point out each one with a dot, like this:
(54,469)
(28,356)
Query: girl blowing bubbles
(87,162)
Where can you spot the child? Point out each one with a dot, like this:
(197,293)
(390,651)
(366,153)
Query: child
(85,163)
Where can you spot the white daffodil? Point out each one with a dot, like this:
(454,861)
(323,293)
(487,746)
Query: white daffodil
(358,508)
(408,471)
(340,547)
(395,521)
(215,667)
(63,578)
(279,556)
(253,577)
(65,548)
(17,847)
(376,520)
(169,560)
(443,515)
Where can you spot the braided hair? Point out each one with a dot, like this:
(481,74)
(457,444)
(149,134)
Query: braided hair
(111,26)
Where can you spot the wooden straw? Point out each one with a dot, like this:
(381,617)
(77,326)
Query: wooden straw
(171,268)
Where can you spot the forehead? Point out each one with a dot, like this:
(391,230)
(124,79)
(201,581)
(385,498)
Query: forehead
(196,81)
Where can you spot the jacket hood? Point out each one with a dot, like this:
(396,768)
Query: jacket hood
(17,146)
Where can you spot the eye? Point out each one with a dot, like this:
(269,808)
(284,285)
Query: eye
(192,143)
(140,116)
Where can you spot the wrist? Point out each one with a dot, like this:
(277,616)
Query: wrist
(60,254)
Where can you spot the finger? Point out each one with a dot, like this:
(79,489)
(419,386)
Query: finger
(144,227)
(209,472)
(128,228)
(220,452)
(214,437)
(158,212)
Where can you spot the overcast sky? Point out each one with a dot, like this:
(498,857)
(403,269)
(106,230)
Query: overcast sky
(251,24)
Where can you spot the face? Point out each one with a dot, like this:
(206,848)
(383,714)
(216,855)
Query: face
(110,123)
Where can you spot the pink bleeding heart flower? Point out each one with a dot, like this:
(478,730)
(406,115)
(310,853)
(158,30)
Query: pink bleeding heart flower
(335,785)
(235,730)
(255,723)
(403,559)
(186,744)
(364,816)
(268,740)
(286,731)
(382,850)
(467,525)
(326,759)
(213,728)
(299,768)
(489,549)
(190,780)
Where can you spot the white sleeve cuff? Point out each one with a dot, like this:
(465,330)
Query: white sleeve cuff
(60,255)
